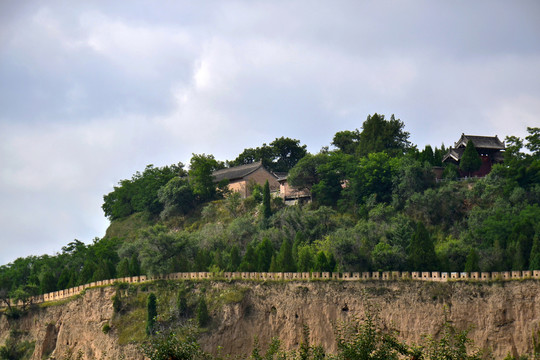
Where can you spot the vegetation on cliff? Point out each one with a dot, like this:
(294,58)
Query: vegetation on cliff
(375,206)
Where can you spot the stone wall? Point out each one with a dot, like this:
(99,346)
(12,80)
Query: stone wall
(305,276)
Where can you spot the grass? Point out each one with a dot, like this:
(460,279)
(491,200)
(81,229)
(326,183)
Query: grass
(131,324)
(128,227)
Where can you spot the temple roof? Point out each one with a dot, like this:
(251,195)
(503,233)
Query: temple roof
(480,142)
(237,172)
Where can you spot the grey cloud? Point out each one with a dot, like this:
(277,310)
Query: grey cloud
(92,92)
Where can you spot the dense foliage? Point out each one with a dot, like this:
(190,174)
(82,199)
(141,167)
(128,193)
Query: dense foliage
(376,206)
(366,338)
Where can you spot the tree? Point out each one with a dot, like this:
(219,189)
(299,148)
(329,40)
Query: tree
(305,173)
(533,141)
(200,172)
(202,312)
(379,134)
(151,315)
(162,251)
(181,303)
(284,260)
(305,259)
(421,250)
(267,210)
(249,261)
(177,197)
(369,340)
(347,141)
(471,264)
(470,161)
(374,175)
(534,262)
(280,156)
(173,346)
(287,153)
(265,251)
(140,192)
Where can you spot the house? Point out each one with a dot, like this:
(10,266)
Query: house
(291,195)
(490,149)
(241,178)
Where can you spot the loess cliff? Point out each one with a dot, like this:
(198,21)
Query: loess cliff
(501,316)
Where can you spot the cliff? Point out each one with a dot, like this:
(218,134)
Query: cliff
(502,316)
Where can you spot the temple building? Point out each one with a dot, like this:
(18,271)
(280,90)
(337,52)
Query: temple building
(241,178)
(490,149)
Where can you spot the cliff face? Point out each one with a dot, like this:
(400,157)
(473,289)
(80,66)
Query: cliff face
(502,316)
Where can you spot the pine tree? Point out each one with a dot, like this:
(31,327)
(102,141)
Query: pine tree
(151,306)
(471,263)
(421,250)
(470,161)
(249,262)
(534,262)
(202,312)
(273,265)
(267,210)
(284,260)
(181,303)
(321,262)
(265,251)
(235,258)
(305,259)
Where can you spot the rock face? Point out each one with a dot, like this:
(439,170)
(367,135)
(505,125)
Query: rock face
(502,316)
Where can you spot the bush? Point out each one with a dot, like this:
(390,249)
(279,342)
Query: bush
(151,306)
(202,312)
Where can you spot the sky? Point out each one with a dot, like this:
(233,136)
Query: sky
(91,92)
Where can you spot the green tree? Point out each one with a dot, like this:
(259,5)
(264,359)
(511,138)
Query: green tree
(374,176)
(267,210)
(428,155)
(181,303)
(172,346)
(177,197)
(421,250)
(202,312)
(249,261)
(471,263)
(369,340)
(347,141)
(162,251)
(284,260)
(265,251)
(305,259)
(235,258)
(140,193)
(470,161)
(534,262)
(379,134)
(452,345)
(280,156)
(151,314)
(200,172)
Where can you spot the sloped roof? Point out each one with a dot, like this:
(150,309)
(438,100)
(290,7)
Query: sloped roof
(237,172)
(454,154)
(480,142)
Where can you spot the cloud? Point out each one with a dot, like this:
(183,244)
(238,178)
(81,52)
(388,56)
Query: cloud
(92,92)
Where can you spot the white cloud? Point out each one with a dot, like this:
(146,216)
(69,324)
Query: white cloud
(91,93)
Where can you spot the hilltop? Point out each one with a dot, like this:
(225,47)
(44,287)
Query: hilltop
(375,206)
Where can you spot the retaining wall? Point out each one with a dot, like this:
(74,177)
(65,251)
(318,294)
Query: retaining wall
(304,276)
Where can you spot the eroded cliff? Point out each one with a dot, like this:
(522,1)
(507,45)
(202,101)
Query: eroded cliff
(502,316)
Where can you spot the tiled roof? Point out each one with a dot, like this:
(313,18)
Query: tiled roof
(454,154)
(482,142)
(237,172)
